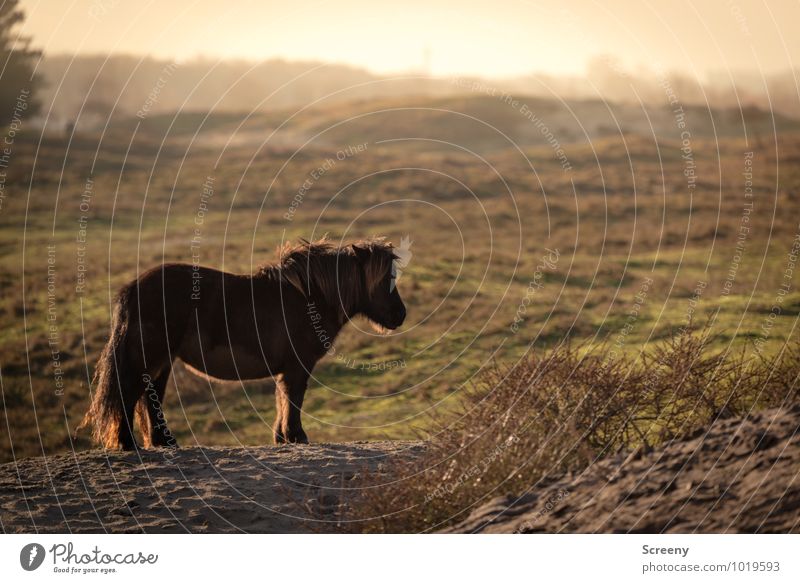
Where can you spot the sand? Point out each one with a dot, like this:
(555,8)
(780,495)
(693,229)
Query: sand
(740,476)
(270,489)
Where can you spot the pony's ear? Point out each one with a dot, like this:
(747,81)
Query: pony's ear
(363,255)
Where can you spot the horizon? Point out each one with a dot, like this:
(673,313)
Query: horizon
(208,59)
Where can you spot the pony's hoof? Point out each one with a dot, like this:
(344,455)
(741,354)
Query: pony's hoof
(290,436)
(297,437)
(166,445)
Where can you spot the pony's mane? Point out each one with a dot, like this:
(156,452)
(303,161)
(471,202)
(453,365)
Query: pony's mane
(333,271)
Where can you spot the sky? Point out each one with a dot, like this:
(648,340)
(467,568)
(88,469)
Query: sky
(495,39)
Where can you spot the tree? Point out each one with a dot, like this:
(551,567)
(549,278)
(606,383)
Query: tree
(18,84)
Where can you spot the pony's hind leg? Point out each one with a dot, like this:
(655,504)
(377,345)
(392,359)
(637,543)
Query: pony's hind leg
(153,398)
(125,436)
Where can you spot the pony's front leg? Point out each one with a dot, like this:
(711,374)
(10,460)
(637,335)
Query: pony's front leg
(290,391)
(281,412)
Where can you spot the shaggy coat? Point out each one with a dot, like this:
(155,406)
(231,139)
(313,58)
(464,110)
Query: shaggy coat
(277,322)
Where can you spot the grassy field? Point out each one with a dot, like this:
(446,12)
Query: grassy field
(576,221)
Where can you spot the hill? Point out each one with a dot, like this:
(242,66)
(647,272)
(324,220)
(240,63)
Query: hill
(470,123)
(741,475)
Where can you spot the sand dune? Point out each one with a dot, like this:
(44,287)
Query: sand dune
(210,489)
(740,476)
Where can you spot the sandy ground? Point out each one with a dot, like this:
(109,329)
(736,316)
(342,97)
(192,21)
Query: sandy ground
(740,476)
(210,489)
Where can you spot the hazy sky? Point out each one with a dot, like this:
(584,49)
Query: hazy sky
(492,38)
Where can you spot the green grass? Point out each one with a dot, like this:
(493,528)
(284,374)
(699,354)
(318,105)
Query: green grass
(467,280)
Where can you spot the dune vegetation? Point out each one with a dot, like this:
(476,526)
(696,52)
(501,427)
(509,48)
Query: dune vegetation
(556,413)
(573,223)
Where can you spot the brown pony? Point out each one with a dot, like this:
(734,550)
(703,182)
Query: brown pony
(278,322)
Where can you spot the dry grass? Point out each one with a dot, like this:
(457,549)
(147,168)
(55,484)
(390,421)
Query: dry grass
(560,411)
(621,215)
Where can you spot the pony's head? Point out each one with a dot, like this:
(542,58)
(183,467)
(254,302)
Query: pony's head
(358,279)
(381,302)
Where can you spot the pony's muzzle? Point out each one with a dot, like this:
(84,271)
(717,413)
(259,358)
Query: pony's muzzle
(399,318)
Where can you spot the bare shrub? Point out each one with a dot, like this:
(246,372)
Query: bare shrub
(560,411)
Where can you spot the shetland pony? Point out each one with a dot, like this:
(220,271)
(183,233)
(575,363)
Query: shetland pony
(277,322)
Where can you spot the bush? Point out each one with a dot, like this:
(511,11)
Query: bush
(559,412)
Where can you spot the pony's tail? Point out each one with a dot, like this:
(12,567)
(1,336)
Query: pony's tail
(107,411)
